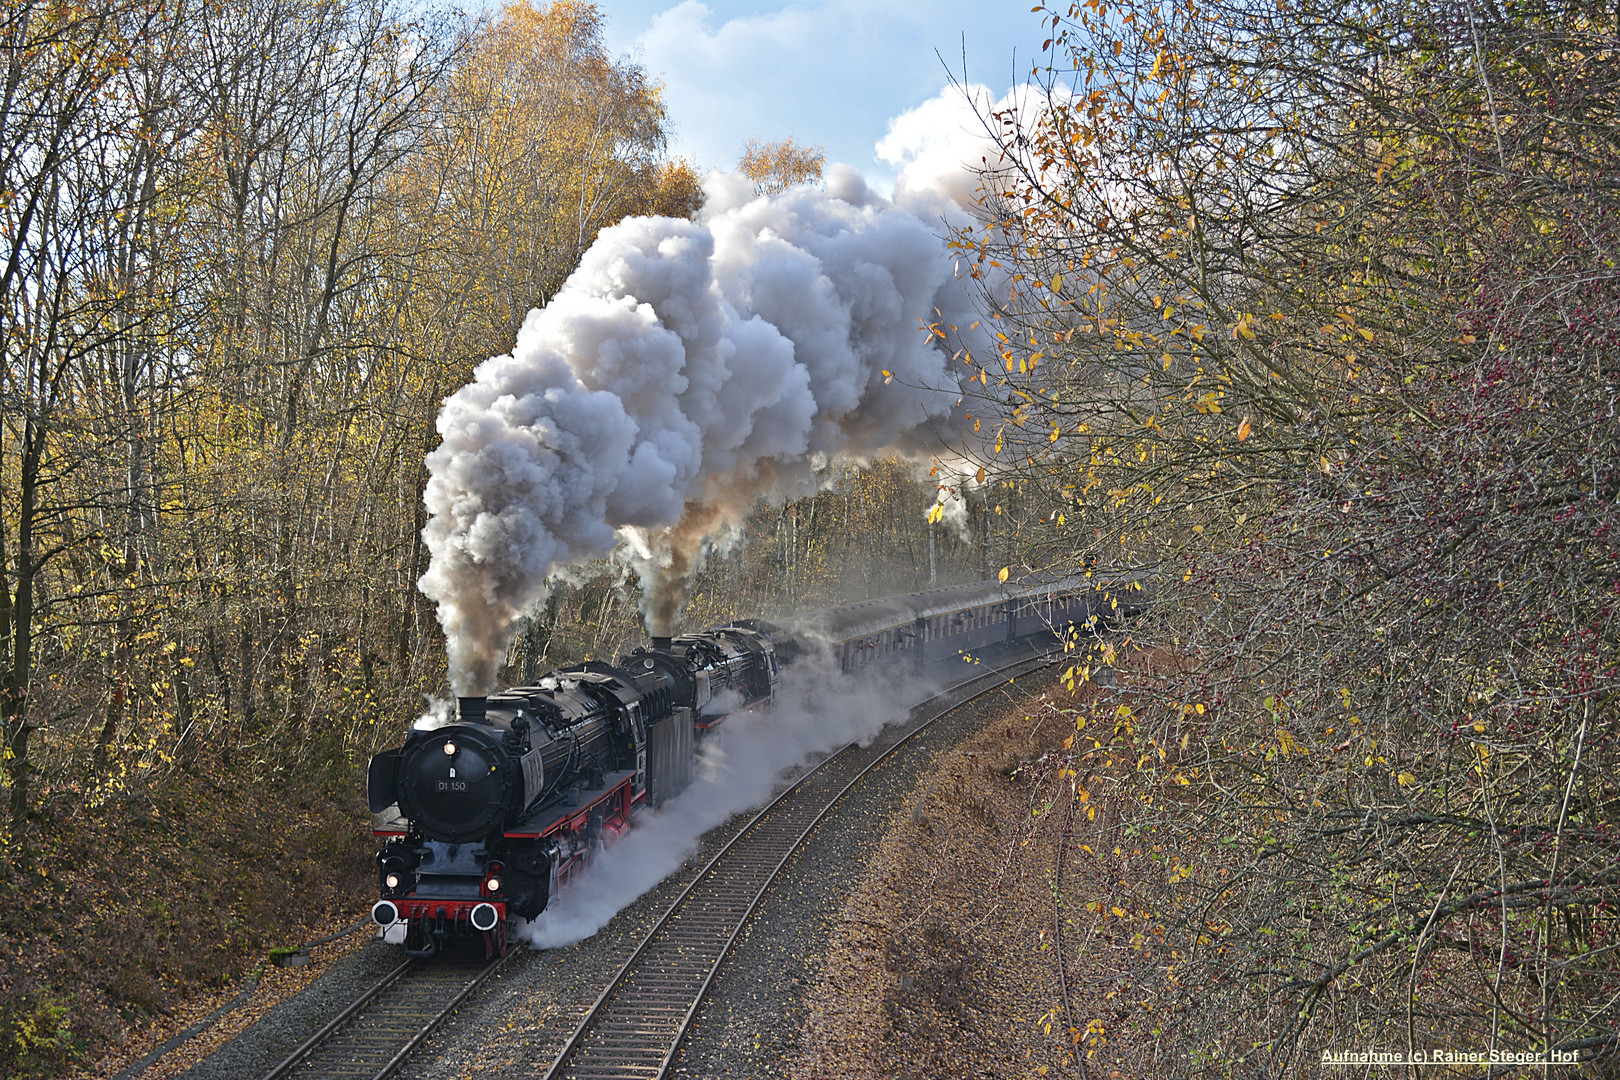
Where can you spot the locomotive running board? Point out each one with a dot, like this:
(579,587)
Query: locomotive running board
(554,817)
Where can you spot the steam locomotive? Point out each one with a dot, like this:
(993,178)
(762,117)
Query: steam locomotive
(483,819)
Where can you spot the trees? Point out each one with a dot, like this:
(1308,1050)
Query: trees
(540,141)
(248,247)
(778,165)
(1303,309)
(252,247)
(77,167)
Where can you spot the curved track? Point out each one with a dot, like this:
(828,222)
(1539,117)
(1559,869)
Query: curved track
(371,1038)
(637,1025)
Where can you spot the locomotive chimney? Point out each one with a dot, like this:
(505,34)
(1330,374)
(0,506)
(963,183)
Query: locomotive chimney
(470,708)
(661,643)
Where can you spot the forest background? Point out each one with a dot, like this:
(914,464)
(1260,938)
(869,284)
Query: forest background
(1309,309)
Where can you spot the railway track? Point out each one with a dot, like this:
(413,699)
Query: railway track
(371,1038)
(637,1025)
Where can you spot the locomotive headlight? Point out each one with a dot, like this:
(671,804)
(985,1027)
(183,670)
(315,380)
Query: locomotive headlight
(392,881)
(449,749)
(494,884)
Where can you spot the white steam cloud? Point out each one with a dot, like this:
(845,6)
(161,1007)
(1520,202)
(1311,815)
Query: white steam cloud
(817,710)
(685,370)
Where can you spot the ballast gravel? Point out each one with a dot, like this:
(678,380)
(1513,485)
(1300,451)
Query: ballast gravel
(751,1023)
(749,1026)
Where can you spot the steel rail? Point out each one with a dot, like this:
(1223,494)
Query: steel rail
(291,1060)
(634,1052)
(304,1061)
(444,1014)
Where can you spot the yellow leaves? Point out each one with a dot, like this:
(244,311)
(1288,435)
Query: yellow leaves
(936,513)
(1406,779)
(888,377)
(1244,429)
(1167,361)
(1003,575)
(1285,740)
(1244,327)
(779,165)
(979,476)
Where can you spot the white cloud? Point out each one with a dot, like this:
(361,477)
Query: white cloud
(939,145)
(830,72)
(943,145)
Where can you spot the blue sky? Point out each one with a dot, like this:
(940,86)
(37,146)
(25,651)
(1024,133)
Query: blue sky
(832,72)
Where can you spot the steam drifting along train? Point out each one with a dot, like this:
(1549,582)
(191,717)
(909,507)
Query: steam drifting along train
(484,818)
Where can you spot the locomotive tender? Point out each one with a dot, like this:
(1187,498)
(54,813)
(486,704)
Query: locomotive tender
(486,817)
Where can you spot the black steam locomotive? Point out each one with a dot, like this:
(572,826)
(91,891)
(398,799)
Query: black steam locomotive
(486,817)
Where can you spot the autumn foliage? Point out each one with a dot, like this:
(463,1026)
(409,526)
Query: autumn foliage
(247,249)
(779,165)
(1310,309)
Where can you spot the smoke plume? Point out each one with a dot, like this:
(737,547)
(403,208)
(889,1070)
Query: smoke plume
(685,370)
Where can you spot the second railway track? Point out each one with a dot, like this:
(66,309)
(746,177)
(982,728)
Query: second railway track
(636,1027)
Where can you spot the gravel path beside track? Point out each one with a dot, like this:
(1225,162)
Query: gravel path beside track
(749,1027)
